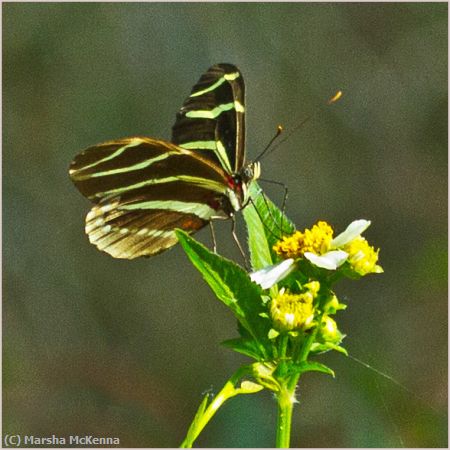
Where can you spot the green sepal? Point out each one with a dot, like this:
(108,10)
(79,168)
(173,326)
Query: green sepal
(247,347)
(232,286)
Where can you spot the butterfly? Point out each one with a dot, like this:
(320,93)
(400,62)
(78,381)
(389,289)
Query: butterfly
(144,188)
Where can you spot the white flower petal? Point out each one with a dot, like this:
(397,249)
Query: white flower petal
(351,232)
(271,275)
(331,260)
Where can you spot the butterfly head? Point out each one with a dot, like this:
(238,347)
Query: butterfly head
(238,185)
(250,172)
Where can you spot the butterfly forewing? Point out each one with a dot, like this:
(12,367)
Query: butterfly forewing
(144,189)
(145,167)
(211,120)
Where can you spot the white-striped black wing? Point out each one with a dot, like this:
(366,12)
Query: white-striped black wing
(143,189)
(211,120)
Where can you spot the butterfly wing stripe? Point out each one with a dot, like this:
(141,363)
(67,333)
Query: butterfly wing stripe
(226,77)
(203,145)
(134,143)
(193,181)
(215,112)
(139,166)
(216,146)
(203,211)
(221,153)
(179,191)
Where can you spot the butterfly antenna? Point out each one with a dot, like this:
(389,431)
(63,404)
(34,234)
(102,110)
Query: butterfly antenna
(330,101)
(278,132)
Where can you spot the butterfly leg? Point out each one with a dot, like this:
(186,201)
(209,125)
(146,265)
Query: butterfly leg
(213,236)
(233,232)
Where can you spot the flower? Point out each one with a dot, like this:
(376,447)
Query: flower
(317,241)
(362,257)
(320,248)
(294,311)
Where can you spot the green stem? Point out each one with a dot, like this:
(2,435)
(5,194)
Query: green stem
(286,398)
(282,350)
(285,406)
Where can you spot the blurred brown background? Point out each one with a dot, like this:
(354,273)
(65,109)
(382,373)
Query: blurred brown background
(97,346)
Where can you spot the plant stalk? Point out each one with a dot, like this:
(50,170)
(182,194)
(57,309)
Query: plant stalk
(286,401)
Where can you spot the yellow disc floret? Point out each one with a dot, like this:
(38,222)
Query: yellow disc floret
(294,311)
(317,240)
(362,257)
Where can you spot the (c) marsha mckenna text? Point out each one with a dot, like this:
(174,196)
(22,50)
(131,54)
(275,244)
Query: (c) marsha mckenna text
(71,440)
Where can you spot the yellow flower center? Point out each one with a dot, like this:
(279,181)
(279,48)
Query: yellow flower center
(362,257)
(317,240)
(294,311)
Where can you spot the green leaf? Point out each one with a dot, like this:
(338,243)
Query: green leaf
(266,224)
(309,366)
(317,348)
(260,254)
(232,286)
(247,347)
(192,432)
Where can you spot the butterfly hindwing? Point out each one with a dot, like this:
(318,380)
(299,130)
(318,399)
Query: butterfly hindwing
(132,233)
(211,119)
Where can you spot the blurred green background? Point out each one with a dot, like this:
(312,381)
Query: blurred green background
(97,346)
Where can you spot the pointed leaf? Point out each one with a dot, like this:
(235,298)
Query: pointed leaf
(317,348)
(232,286)
(260,255)
(266,225)
(309,366)
(247,347)
(192,431)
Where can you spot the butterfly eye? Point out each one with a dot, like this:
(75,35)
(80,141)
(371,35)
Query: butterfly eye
(248,173)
